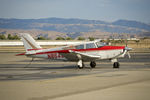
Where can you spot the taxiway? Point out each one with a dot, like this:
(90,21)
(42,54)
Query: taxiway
(45,80)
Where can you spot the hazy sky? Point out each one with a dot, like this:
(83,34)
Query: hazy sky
(107,10)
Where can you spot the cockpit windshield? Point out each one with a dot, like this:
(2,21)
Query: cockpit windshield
(100,44)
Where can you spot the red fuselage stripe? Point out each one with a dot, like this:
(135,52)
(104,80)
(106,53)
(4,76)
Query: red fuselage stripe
(91,49)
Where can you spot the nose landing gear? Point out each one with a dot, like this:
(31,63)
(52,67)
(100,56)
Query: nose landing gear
(116,65)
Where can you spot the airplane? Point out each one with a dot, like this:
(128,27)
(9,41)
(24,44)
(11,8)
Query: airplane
(84,52)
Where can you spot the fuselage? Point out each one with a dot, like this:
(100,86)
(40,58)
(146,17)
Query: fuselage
(62,53)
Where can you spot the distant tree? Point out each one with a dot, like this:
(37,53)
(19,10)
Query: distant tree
(137,41)
(103,41)
(69,38)
(122,41)
(91,38)
(108,41)
(9,37)
(81,38)
(16,37)
(60,38)
(2,37)
(146,38)
(41,38)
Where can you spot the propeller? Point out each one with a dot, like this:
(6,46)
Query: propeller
(127,50)
(129,55)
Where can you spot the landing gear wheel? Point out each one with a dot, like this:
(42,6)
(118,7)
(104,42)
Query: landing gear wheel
(81,67)
(93,64)
(116,65)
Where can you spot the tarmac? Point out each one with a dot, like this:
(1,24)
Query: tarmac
(21,79)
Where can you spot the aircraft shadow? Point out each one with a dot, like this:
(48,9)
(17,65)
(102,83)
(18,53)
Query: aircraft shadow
(36,66)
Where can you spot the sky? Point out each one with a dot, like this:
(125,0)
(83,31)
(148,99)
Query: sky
(105,10)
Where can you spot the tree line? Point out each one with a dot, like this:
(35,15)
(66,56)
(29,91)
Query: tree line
(79,38)
(16,37)
(9,37)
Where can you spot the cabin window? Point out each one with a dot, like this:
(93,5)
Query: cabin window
(90,45)
(80,47)
(100,44)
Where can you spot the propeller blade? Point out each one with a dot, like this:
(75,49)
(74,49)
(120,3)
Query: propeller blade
(129,55)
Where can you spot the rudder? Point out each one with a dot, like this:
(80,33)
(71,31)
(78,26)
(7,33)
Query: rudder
(29,42)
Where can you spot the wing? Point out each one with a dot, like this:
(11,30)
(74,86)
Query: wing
(75,56)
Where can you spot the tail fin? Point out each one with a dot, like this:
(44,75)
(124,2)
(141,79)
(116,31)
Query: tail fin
(29,42)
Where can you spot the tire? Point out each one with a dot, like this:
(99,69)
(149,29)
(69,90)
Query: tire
(116,65)
(93,64)
(80,66)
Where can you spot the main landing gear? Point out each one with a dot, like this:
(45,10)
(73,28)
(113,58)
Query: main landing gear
(80,64)
(92,64)
(116,63)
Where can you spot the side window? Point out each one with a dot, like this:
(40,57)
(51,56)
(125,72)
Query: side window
(90,45)
(80,47)
(100,44)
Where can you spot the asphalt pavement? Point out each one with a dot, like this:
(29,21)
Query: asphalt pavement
(41,79)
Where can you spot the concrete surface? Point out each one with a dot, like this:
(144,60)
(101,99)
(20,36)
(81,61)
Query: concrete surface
(44,80)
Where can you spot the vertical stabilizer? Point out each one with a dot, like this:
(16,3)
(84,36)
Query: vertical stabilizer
(29,42)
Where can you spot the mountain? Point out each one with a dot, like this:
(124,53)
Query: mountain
(14,23)
(74,27)
(58,24)
(134,24)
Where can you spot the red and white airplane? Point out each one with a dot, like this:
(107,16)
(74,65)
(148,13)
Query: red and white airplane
(80,53)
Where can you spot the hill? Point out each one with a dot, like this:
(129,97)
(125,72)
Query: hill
(74,27)
(134,24)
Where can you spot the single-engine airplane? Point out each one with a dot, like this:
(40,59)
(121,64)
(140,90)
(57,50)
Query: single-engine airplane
(80,53)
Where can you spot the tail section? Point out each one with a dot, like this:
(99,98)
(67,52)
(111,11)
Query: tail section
(29,42)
